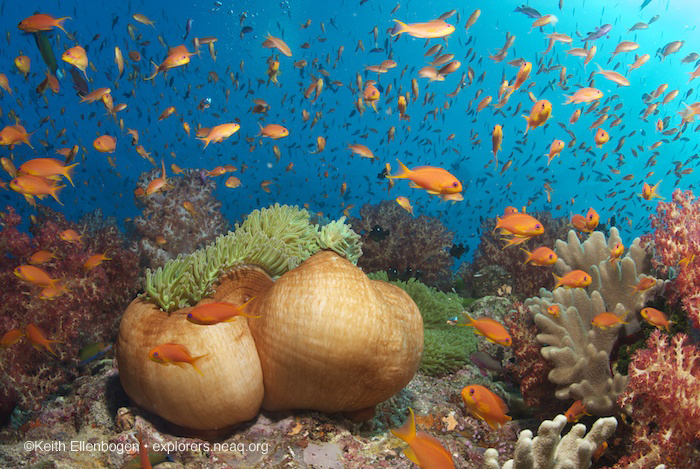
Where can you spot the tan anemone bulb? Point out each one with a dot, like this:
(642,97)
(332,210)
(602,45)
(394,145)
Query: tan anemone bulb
(331,339)
(229,390)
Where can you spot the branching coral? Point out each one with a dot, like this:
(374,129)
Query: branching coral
(549,450)
(526,279)
(420,244)
(676,238)
(278,238)
(663,400)
(87,313)
(446,347)
(166,228)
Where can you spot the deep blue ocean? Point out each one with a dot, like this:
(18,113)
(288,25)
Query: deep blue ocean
(582,176)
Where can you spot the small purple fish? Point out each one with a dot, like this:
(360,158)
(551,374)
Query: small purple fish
(486,362)
(188,28)
(598,33)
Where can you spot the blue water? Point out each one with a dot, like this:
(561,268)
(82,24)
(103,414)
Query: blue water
(580,179)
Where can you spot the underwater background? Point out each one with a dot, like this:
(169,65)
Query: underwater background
(319,106)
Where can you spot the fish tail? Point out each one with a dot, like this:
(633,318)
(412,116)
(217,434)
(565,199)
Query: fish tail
(194,363)
(67,173)
(399,28)
(529,255)
(49,345)
(557,281)
(408,430)
(54,193)
(155,71)
(205,140)
(59,23)
(403,173)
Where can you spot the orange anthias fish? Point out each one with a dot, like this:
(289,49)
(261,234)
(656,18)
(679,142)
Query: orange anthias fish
(540,112)
(177,57)
(554,310)
(430,30)
(371,94)
(425,450)
(649,192)
(174,354)
(554,150)
(496,141)
(105,144)
(77,57)
(41,257)
(542,256)
(491,329)
(361,150)
(36,337)
(11,337)
(607,320)
(485,405)
(573,279)
(214,313)
(273,131)
(576,411)
(42,22)
(47,167)
(14,135)
(37,186)
(403,202)
(644,284)
(95,260)
(601,137)
(435,181)
(272,42)
(656,318)
(592,219)
(219,133)
(616,252)
(158,184)
(71,236)
(522,226)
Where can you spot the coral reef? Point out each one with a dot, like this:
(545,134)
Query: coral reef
(579,351)
(549,450)
(166,228)
(530,369)
(525,279)
(89,312)
(419,244)
(613,280)
(277,238)
(676,238)
(446,347)
(662,401)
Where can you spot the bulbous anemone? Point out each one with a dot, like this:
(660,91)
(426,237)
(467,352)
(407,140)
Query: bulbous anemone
(329,339)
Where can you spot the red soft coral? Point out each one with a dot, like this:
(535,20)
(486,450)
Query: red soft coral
(663,400)
(676,237)
(88,313)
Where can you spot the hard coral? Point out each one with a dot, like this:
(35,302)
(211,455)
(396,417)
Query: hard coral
(676,237)
(88,313)
(526,279)
(662,398)
(163,215)
(419,244)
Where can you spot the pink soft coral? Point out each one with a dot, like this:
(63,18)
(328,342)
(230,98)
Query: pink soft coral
(676,237)
(663,398)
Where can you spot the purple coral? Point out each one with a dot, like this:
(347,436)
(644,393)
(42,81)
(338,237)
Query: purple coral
(167,228)
(89,312)
(419,244)
(526,279)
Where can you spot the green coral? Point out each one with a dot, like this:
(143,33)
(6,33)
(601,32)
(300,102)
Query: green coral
(277,238)
(446,347)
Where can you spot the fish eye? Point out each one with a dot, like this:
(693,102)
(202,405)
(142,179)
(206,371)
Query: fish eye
(471,391)
(155,354)
(454,184)
(538,226)
(550,256)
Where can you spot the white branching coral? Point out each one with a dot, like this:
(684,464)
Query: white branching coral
(549,450)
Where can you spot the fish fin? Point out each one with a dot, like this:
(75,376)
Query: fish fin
(557,281)
(529,254)
(54,193)
(408,430)
(155,71)
(399,28)
(403,173)
(410,454)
